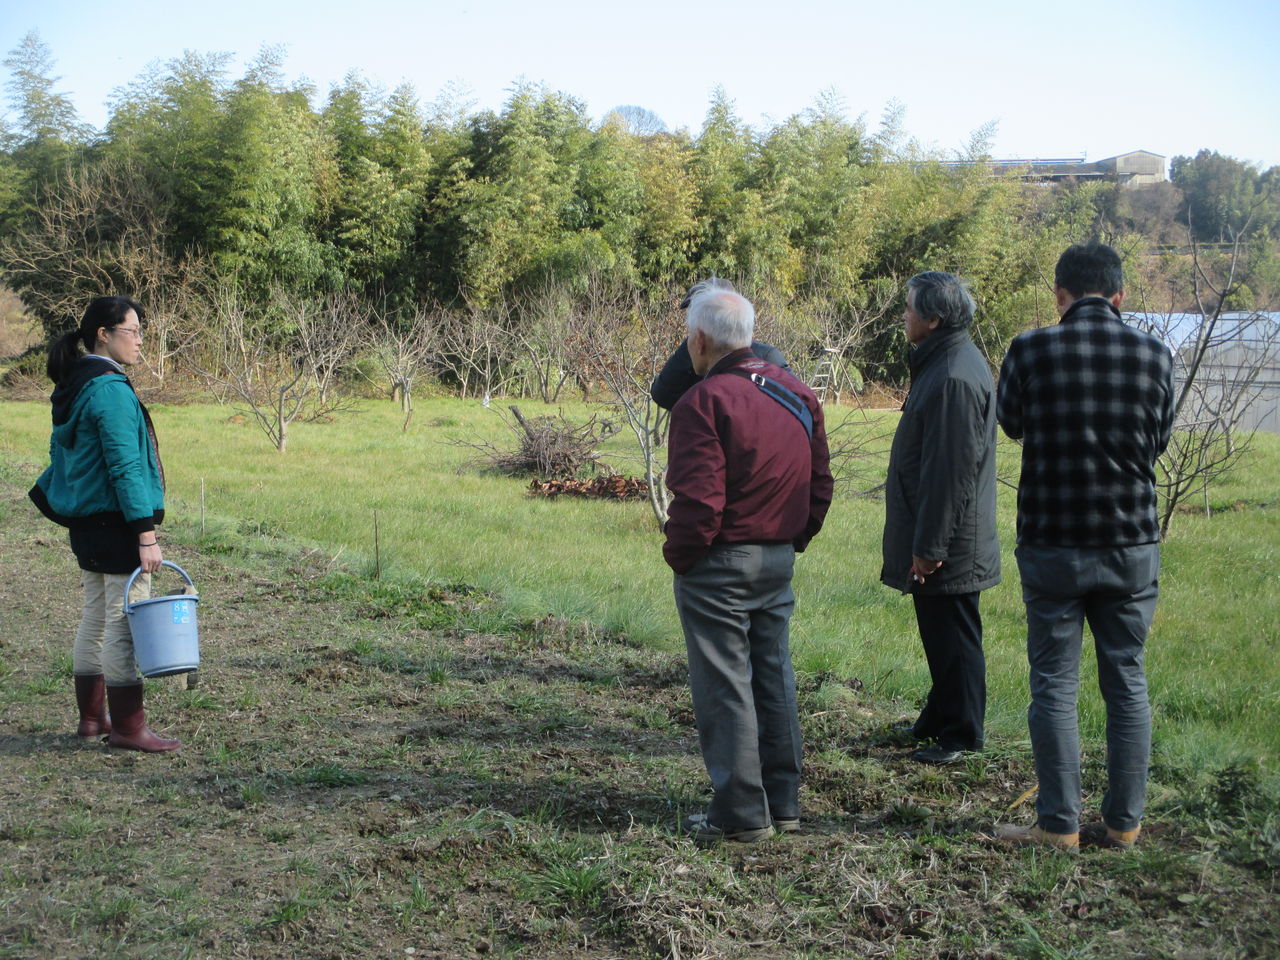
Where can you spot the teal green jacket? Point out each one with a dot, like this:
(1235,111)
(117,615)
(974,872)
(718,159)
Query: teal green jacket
(102,462)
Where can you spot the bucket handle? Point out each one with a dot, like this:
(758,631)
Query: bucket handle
(164,563)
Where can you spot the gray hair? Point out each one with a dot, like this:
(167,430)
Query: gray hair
(706,286)
(725,317)
(943,297)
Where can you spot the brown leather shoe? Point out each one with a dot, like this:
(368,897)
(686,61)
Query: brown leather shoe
(1123,839)
(1033,835)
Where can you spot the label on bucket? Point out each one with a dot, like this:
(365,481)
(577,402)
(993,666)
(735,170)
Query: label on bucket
(181,611)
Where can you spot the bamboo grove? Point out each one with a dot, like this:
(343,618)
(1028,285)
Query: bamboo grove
(204,189)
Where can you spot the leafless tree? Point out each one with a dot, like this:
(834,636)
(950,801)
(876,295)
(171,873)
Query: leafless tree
(403,349)
(545,337)
(474,348)
(636,120)
(626,340)
(175,314)
(859,443)
(823,342)
(1219,355)
(101,229)
(280,359)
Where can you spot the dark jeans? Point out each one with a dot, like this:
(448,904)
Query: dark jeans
(1115,589)
(951,631)
(735,606)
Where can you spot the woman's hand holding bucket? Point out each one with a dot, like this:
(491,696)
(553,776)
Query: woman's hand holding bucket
(149,556)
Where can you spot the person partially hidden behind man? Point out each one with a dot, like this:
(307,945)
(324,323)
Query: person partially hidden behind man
(751,485)
(677,374)
(940,510)
(1091,398)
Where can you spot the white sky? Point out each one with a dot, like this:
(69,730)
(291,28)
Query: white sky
(1079,78)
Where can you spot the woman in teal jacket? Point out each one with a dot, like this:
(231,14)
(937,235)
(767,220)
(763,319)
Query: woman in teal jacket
(105,483)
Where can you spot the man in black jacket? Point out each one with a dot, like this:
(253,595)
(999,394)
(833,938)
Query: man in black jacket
(677,374)
(940,503)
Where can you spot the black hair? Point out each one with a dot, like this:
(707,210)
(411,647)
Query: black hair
(1086,268)
(101,312)
(706,286)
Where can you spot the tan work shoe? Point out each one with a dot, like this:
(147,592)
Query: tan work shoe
(1033,835)
(700,828)
(1122,839)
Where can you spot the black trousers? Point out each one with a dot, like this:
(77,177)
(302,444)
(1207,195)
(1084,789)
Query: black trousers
(951,630)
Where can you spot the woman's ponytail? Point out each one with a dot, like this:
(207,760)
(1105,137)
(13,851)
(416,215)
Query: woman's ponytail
(63,356)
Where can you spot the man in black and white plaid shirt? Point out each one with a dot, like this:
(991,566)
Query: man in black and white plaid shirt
(1091,398)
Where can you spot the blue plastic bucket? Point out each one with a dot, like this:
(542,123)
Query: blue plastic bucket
(166,636)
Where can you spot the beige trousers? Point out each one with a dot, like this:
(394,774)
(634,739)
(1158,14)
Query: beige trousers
(103,641)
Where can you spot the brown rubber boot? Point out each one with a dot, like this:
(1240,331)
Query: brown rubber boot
(129,723)
(90,691)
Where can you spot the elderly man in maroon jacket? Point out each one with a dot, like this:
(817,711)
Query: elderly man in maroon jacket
(751,485)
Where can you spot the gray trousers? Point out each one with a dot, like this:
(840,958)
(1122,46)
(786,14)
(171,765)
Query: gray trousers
(735,606)
(1115,590)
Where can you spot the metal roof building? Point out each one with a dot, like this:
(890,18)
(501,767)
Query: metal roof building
(1136,167)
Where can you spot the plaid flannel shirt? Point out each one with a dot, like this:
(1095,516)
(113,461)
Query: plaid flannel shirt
(1092,401)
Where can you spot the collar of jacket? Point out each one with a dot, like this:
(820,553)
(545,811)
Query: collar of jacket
(938,341)
(1083,309)
(731,359)
(86,368)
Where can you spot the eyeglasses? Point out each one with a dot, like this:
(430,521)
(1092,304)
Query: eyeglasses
(135,332)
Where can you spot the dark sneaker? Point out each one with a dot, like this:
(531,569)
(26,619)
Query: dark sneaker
(702,830)
(938,755)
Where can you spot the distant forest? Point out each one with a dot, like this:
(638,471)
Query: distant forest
(204,185)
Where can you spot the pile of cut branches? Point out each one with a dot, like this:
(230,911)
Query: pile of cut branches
(616,487)
(549,448)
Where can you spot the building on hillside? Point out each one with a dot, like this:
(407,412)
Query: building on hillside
(1135,168)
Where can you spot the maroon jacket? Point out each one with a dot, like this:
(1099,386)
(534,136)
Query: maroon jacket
(741,468)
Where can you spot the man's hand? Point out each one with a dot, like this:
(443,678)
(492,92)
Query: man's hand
(921,568)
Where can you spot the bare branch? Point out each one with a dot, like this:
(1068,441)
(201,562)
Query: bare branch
(1220,360)
(404,349)
(280,359)
(625,341)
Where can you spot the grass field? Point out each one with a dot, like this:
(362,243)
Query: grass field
(376,769)
(1214,676)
